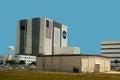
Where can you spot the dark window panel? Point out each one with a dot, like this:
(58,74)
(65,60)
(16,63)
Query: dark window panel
(22,27)
(47,23)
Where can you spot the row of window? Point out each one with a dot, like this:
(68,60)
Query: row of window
(22,57)
(28,57)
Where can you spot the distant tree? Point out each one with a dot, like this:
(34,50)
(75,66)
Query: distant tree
(1,62)
(33,63)
(11,62)
(116,62)
(22,62)
(7,62)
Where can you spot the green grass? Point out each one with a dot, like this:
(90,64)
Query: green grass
(40,75)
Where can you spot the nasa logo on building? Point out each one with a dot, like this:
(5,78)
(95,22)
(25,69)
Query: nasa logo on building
(64,34)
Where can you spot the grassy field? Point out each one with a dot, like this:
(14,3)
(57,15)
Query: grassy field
(38,75)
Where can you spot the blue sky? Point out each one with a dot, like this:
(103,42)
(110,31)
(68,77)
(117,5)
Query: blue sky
(89,21)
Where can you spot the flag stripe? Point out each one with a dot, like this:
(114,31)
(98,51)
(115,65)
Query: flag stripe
(48,29)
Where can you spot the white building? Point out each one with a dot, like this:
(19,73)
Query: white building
(42,36)
(112,49)
(28,59)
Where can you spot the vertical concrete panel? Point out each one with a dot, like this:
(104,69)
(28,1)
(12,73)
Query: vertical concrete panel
(48,63)
(35,35)
(29,37)
(48,41)
(76,63)
(40,64)
(23,36)
(66,64)
(107,64)
(57,35)
(102,64)
(91,63)
(64,33)
(18,38)
(84,63)
(42,36)
(56,64)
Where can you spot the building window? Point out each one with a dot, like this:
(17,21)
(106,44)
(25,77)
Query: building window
(22,27)
(47,23)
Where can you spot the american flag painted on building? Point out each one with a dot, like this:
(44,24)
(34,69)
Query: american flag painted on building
(49,26)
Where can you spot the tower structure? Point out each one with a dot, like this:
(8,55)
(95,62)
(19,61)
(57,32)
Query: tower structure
(40,36)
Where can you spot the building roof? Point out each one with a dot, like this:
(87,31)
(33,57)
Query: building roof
(72,55)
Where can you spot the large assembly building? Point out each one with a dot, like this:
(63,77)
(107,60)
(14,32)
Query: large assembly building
(42,36)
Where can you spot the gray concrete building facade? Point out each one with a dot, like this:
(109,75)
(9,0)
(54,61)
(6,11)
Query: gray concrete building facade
(39,36)
(42,36)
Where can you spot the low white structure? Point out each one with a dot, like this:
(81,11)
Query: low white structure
(28,59)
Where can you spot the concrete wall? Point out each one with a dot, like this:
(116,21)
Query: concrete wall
(29,38)
(89,62)
(42,36)
(57,36)
(59,63)
(18,38)
(110,47)
(66,64)
(64,41)
(45,45)
(111,51)
(66,50)
(69,63)
(110,42)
